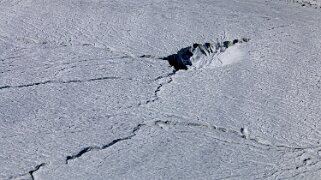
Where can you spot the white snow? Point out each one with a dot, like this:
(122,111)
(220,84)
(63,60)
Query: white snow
(232,55)
(85,92)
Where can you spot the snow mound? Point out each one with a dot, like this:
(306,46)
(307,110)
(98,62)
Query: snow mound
(207,55)
(230,56)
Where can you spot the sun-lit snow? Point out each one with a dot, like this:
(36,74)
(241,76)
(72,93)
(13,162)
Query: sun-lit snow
(160,89)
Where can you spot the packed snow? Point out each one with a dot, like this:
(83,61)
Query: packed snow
(160,89)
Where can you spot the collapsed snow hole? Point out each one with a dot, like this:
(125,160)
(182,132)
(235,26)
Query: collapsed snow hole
(193,55)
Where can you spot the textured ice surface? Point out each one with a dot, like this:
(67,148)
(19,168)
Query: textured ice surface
(316,4)
(85,93)
(308,2)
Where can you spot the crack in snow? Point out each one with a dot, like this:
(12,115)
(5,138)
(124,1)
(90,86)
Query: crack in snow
(98,148)
(35,170)
(241,134)
(57,82)
(30,173)
(160,85)
(280,171)
(192,55)
(308,163)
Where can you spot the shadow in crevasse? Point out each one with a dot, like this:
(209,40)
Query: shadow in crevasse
(175,60)
(182,59)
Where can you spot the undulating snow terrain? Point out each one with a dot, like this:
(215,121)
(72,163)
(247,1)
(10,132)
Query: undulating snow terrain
(87,90)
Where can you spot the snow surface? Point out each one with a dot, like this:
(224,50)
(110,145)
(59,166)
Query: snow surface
(308,2)
(85,92)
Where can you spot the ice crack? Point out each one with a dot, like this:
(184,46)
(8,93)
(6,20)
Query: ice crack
(98,148)
(30,173)
(160,85)
(57,82)
(242,133)
(35,170)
